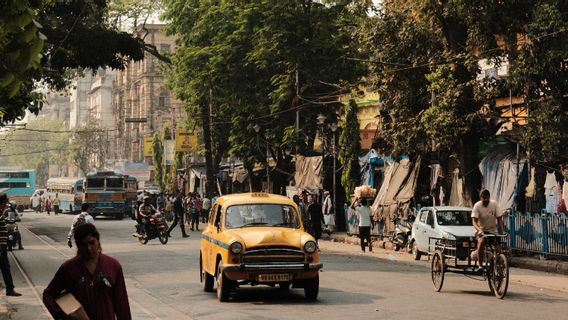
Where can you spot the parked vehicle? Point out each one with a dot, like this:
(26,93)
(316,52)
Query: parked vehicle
(439,222)
(257,238)
(157,228)
(402,234)
(35,199)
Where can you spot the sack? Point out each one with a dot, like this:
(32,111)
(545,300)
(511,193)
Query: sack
(328,219)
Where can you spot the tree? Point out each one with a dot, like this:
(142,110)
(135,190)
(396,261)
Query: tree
(350,146)
(88,147)
(241,59)
(157,160)
(40,144)
(42,42)
(425,58)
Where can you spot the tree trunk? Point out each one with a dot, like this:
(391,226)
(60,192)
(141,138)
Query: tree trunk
(210,174)
(469,148)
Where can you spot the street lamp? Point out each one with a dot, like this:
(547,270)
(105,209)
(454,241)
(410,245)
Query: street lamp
(257,128)
(334,127)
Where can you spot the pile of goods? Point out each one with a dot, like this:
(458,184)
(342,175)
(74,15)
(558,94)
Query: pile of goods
(365,192)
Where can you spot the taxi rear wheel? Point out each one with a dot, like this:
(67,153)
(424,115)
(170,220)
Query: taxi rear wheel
(311,288)
(222,284)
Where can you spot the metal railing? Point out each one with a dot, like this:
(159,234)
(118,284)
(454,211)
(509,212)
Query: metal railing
(543,234)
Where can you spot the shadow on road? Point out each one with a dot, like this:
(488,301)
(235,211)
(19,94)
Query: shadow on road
(274,296)
(514,296)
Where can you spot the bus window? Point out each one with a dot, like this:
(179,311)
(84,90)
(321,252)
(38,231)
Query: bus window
(114,183)
(96,183)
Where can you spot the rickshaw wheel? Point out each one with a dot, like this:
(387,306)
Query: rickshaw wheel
(438,269)
(500,276)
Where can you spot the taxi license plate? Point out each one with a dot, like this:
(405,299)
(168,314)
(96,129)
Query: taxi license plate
(273,277)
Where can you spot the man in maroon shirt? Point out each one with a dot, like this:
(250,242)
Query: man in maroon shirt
(94,279)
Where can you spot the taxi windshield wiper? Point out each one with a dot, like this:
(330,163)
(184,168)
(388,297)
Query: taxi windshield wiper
(251,224)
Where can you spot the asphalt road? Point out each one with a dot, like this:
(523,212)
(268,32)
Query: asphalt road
(163,282)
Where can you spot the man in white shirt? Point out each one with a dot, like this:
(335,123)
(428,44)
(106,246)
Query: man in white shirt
(81,218)
(365,223)
(486,215)
(328,217)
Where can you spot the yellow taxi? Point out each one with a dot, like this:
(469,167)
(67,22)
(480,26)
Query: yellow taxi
(257,238)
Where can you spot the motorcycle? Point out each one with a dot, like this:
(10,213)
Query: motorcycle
(402,234)
(14,237)
(157,228)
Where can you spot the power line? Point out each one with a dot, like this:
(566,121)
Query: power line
(28,153)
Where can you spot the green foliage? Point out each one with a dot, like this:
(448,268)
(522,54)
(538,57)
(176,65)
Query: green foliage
(41,40)
(36,149)
(158,160)
(88,146)
(348,154)
(242,57)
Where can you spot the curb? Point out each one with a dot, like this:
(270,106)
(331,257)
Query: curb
(550,266)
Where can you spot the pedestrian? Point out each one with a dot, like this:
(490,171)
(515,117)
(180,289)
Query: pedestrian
(315,216)
(4,262)
(365,223)
(178,215)
(48,205)
(41,202)
(328,213)
(160,202)
(56,202)
(195,209)
(205,207)
(93,278)
(81,218)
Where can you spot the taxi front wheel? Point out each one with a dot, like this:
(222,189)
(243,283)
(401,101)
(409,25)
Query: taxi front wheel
(311,288)
(222,284)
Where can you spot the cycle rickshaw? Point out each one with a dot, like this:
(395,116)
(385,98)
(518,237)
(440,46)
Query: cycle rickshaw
(454,255)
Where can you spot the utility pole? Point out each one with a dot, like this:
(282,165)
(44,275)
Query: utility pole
(297,107)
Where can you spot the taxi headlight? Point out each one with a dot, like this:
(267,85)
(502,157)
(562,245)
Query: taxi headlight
(236,247)
(310,246)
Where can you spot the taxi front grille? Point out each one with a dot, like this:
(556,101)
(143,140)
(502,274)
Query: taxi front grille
(273,254)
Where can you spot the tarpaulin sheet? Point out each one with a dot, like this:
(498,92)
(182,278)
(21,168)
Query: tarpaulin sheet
(240,174)
(499,171)
(393,198)
(456,191)
(308,172)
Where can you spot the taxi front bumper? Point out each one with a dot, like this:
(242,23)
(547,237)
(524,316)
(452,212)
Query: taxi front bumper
(276,267)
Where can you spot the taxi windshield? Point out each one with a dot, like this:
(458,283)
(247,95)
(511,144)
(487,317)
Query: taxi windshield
(271,215)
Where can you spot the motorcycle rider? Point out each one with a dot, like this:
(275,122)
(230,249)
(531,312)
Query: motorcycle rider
(145,211)
(11,217)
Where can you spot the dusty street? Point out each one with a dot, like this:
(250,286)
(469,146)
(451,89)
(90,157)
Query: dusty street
(163,282)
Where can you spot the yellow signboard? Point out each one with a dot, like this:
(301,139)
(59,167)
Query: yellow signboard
(186,141)
(148,146)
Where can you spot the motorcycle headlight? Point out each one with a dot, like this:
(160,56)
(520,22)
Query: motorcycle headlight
(310,246)
(236,247)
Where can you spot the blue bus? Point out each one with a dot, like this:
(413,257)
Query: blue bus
(104,191)
(68,190)
(19,185)
(130,188)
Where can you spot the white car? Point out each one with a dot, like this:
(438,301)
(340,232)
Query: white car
(439,222)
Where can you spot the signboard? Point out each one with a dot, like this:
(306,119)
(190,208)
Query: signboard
(148,146)
(169,151)
(186,141)
(139,170)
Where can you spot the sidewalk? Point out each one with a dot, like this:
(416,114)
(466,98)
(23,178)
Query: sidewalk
(549,274)
(5,309)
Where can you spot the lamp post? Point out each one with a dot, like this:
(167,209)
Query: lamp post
(333,127)
(257,130)
(321,121)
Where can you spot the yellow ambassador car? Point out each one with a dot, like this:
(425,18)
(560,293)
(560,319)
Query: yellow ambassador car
(257,238)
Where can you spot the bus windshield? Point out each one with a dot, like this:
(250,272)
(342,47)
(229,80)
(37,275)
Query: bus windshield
(114,183)
(96,183)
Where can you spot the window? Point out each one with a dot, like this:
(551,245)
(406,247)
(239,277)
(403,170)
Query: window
(14,175)
(275,215)
(454,218)
(14,185)
(96,183)
(212,215)
(423,215)
(114,183)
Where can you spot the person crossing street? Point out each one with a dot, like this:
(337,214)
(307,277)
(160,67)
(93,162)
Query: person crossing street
(178,215)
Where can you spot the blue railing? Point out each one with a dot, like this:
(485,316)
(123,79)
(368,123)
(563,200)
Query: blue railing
(538,233)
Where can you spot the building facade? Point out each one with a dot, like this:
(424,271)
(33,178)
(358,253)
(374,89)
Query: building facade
(142,105)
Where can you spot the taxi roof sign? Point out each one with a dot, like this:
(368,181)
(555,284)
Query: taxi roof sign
(259,194)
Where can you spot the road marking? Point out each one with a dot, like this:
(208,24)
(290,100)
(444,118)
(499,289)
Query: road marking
(66,255)
(30,284)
